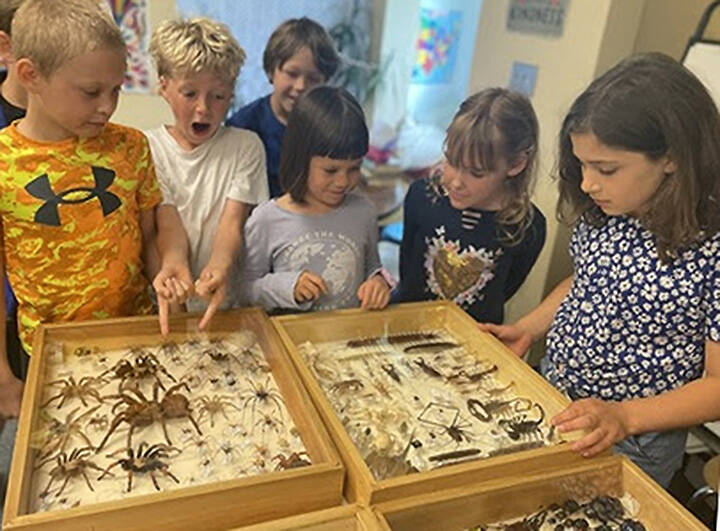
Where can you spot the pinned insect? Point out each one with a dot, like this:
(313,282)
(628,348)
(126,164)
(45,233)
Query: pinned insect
(389,369)
(347,385)
(465,377)
(430,347)
(146,459)
(69,467)
(86,387)
(427,369)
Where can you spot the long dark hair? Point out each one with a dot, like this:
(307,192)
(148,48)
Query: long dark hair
(326,122)
(650,104)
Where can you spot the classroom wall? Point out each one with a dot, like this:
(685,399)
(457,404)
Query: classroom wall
(144,111)
(596,34)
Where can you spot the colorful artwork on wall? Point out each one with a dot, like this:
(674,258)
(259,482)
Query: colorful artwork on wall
(436,46)
(131,16)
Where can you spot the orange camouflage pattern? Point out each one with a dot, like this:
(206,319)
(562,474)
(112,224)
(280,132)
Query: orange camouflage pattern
(70,215)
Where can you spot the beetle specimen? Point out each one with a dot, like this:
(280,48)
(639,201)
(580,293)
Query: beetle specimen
(146,459)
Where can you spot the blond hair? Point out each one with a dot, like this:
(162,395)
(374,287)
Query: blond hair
(7,12)
(51,32)
(183,47)
(497,125)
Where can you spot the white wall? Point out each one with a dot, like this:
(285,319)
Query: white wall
(144,111)
(596,34)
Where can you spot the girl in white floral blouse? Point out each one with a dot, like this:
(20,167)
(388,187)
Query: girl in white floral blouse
(633,335)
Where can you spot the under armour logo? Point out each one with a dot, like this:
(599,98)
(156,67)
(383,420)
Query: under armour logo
(48,213)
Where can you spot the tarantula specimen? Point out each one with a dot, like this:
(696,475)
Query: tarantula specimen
(69,467)
(214,405)
(145,460)
(131,373)
(139,411)
(84,388)
(261,395)
(57,433)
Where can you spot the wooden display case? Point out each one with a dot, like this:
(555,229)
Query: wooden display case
(517,497)
(361,485)
(211,505)
(345,518)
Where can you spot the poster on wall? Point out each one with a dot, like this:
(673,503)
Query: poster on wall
(131,17)
(543,17)
(437,46)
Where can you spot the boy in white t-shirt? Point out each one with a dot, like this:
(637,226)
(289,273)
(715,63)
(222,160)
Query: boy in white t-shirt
(213,174)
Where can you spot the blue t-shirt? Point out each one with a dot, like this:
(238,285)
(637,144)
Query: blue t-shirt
(258,116)
(632,326)
(457,255)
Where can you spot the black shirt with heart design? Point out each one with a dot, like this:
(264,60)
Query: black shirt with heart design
(461,255)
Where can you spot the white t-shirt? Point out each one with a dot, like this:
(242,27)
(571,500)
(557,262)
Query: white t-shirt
(230,165)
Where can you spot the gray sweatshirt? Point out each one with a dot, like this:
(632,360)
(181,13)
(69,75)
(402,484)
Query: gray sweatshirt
(340,247)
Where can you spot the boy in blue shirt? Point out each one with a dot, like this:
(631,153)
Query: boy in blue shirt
(298,57)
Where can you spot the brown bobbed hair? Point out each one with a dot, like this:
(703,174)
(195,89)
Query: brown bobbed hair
(650,104)
(492,126)
(294,34)
(325,122)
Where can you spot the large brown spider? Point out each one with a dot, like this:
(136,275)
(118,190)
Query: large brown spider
(146,459)
(85,387)
(58,433)
(145,365)
(214,405)
(263,395)
(139,411)
(69,467)
(294,460)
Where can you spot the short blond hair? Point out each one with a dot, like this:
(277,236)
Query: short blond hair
(186,47)
(7,12)
(51,32)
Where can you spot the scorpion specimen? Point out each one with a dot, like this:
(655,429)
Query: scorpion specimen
(139,411)
(213,406)
(146,459)
(85,387)
(69,467)
(145,365)
(519,426)
(484,411)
